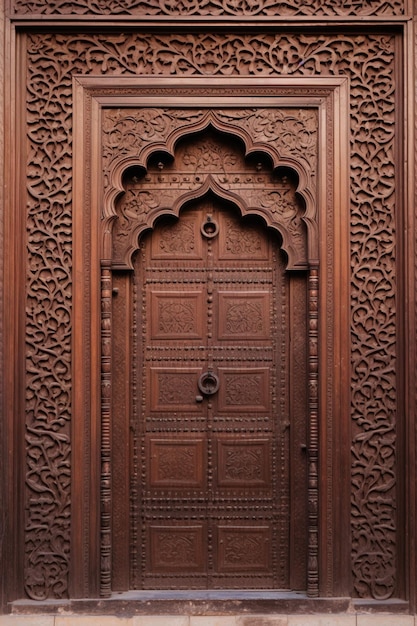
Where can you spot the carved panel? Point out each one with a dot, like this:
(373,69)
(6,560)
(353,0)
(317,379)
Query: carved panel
(241,548)
(243,463)
(176,463)
(176,548)
(179,240)
(271,8)
(177,315)
(373,215)
(245,241)
(173,388)
(245,390)
(242,315)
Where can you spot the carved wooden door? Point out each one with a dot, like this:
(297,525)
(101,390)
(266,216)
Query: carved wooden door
(213,430)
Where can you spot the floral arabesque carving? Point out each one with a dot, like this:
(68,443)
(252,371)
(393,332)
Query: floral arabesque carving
(207,164)
(211,7)
(289,132)
(369,61)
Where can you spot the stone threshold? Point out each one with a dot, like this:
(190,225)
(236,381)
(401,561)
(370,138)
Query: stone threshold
(204,603)
(185,620)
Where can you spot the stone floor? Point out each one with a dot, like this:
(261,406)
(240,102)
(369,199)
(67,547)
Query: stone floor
(179,620)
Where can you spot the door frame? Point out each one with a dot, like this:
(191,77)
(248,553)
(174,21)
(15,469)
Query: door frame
(328,317)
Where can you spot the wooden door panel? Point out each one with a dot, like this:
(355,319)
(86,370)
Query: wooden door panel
(240,241)
(177,462)
(243,463)
(177,548)
(177,315)
(178,240)
(244,548)
(172,389)
(244,390)
(243,316)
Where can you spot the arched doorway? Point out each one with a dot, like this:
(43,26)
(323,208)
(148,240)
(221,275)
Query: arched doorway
(211,331)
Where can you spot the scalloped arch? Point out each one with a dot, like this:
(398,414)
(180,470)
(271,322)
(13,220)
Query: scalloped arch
(297,259)
(211,185)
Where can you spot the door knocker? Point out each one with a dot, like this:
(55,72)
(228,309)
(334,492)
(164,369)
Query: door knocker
(208,383)
(209,228)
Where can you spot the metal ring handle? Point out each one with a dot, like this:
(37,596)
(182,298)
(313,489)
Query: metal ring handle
(209,228)
(208,383)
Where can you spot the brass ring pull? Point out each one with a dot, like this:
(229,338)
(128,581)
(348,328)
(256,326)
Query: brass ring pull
(208,383)
(209,228)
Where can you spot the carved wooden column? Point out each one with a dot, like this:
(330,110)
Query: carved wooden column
(105,482)
(313,444)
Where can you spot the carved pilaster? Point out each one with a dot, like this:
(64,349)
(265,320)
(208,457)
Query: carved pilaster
(105,499)
(313,445)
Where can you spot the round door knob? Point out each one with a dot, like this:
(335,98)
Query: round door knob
(208,383)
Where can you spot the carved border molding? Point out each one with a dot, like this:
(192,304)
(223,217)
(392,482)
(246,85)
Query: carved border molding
(203,8)
(373,213)
(95,103)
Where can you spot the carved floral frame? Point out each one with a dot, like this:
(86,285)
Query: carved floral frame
(328,394)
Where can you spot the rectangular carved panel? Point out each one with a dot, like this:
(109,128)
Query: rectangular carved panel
(244,316)
(176,463)
(243,548)
(177,548)
(244,390)
(176,315)
(243,463)
(173,389)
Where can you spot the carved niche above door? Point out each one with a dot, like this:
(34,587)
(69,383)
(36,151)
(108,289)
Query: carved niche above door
(273,138)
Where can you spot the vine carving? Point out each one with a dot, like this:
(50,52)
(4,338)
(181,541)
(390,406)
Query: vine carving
(369,61)
(211,7)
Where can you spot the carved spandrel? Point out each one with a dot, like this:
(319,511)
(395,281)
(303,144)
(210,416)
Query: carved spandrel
(286,132)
